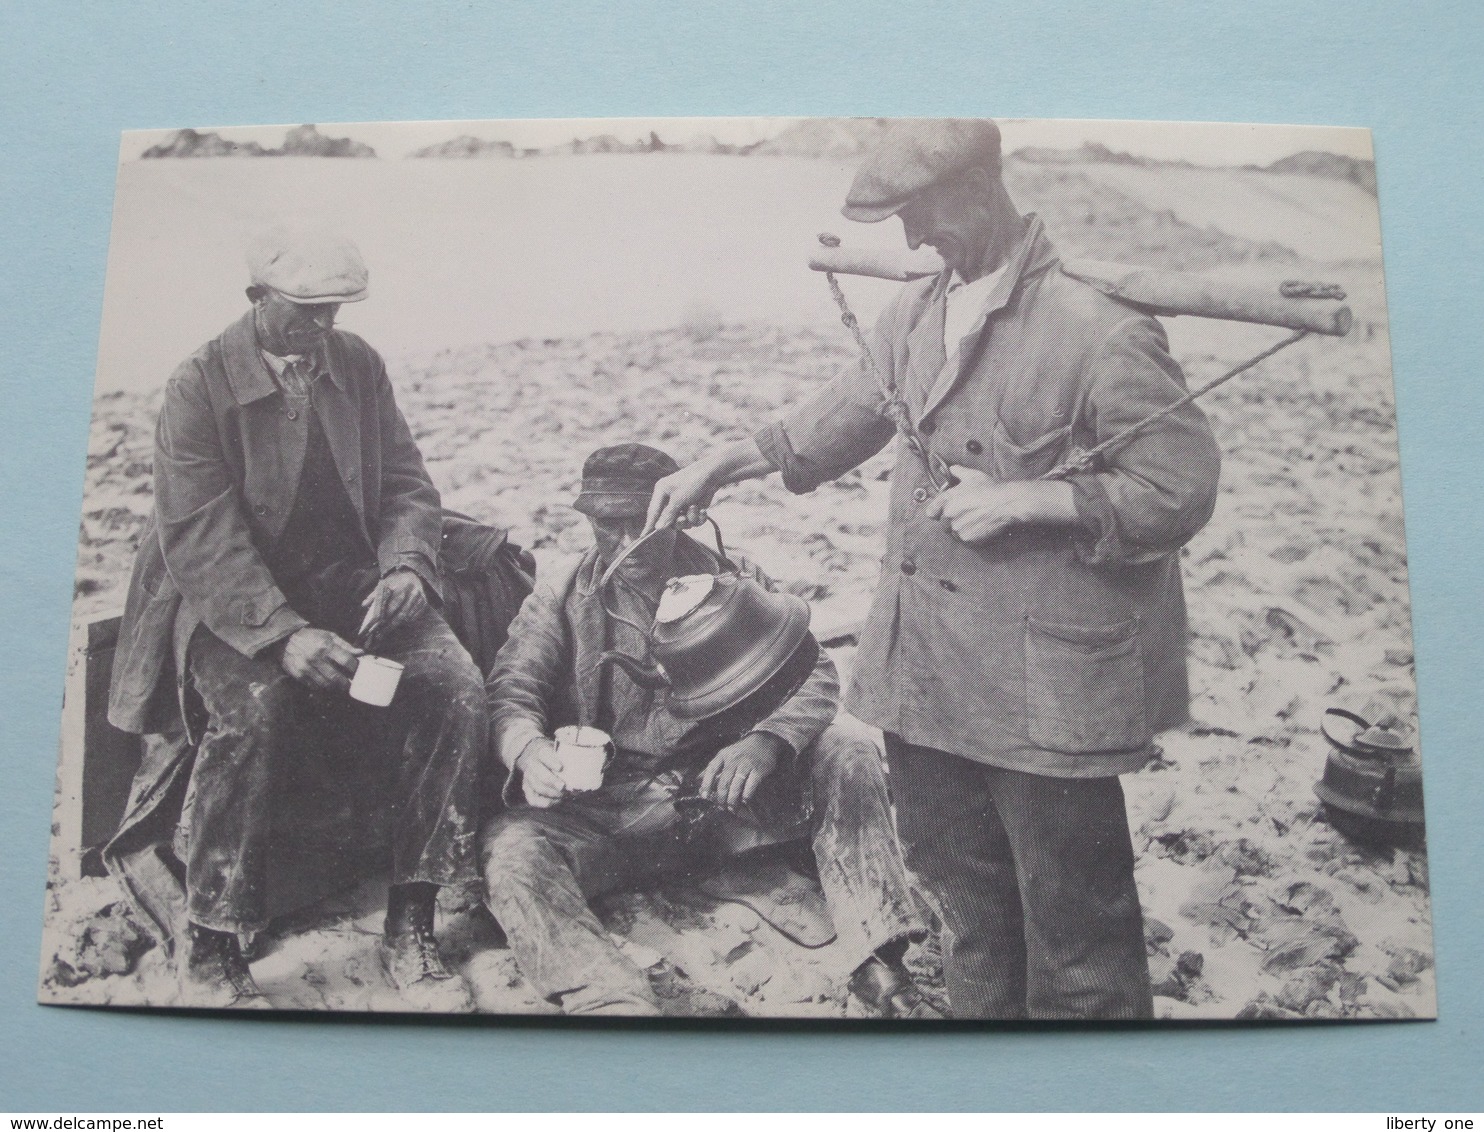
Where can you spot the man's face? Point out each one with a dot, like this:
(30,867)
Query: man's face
(953,219)
(293,328)
(613,535)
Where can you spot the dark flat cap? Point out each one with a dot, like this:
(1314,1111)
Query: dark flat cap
(617,481)
(913,154)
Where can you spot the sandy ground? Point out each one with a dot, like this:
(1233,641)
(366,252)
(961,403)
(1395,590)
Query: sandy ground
(1255,906)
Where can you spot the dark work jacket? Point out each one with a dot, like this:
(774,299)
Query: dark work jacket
(229,450)
(1051,650)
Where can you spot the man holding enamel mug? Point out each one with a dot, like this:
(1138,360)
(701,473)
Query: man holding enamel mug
(622,788)
(295,532)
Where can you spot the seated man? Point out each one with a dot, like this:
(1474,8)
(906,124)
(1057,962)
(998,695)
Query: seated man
(543,861)
(294,526)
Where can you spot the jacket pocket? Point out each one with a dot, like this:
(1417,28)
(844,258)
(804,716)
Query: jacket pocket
(1026,461)
(1084,687)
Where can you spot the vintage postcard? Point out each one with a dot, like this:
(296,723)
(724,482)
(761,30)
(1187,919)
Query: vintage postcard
(809,568)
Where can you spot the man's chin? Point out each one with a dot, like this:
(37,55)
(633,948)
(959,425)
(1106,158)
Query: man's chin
(950,257)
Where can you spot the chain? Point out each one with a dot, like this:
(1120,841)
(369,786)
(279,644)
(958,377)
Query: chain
(1080,461)
(896,408)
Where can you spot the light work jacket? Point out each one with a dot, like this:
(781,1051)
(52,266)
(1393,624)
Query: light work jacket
(1056,650)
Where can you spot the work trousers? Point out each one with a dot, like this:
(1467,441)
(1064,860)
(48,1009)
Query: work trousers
(420,756)
(1034,879)
(542,866)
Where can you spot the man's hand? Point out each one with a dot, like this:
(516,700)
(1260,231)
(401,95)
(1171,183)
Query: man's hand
(321,659)
(680,499)
(979,509)
(541,773)
(397,600)
(734,775)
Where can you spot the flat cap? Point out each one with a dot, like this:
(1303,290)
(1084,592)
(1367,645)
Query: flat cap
(617,481)
(308,266)
(914,153)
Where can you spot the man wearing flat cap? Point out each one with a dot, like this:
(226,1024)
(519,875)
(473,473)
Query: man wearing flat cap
(677,796)
(1027,637)
(294,529)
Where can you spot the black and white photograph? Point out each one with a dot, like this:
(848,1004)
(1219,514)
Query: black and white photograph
(812,568)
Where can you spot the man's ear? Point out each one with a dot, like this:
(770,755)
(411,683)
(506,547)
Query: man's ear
(979,180)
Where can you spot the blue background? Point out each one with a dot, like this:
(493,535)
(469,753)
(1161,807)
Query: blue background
(70,82)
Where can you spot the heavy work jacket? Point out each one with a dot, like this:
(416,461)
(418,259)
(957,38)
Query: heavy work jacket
(229,450)
(547,674)
(1052,650)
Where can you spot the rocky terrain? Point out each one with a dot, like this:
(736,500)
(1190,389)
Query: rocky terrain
(1256,907)
(1297,589)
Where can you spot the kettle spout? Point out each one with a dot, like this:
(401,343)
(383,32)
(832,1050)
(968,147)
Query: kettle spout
(651,677)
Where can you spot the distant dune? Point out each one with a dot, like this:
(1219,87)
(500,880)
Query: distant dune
(190,143)
(1316,164)
(466,145)
(825,137)
(1094,152)
(302,141)
(831,139)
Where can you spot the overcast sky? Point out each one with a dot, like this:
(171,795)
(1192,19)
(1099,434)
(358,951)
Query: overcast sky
(1174,141)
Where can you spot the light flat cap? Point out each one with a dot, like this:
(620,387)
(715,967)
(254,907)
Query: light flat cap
(308,266)
(913,154)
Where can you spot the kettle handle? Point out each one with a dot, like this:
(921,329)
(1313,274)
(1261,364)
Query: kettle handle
(1363,725)
(613,566)
(721,550)
(638,542)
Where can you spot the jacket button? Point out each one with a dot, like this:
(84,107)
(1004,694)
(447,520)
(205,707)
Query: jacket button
(260,509)
(927,428)
(909,567)
(292,414)
(920,494)
(947,585)
(974,447)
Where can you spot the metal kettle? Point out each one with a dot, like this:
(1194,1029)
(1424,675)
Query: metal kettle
(721,643)
(1372,784)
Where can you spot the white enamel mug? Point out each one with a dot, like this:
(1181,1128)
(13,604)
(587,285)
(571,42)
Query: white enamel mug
(584,753)
(375,681)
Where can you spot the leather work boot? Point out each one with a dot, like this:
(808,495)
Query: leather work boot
(887,991)
(409,950)
(214,974)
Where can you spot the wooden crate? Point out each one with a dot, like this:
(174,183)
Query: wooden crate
(98,760)
(317,852)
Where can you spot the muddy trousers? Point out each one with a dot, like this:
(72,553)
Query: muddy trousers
(541,867)
(1034,878)
(420,756)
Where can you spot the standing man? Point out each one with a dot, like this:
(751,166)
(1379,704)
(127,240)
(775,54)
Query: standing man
(1027,637)
(294,527)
